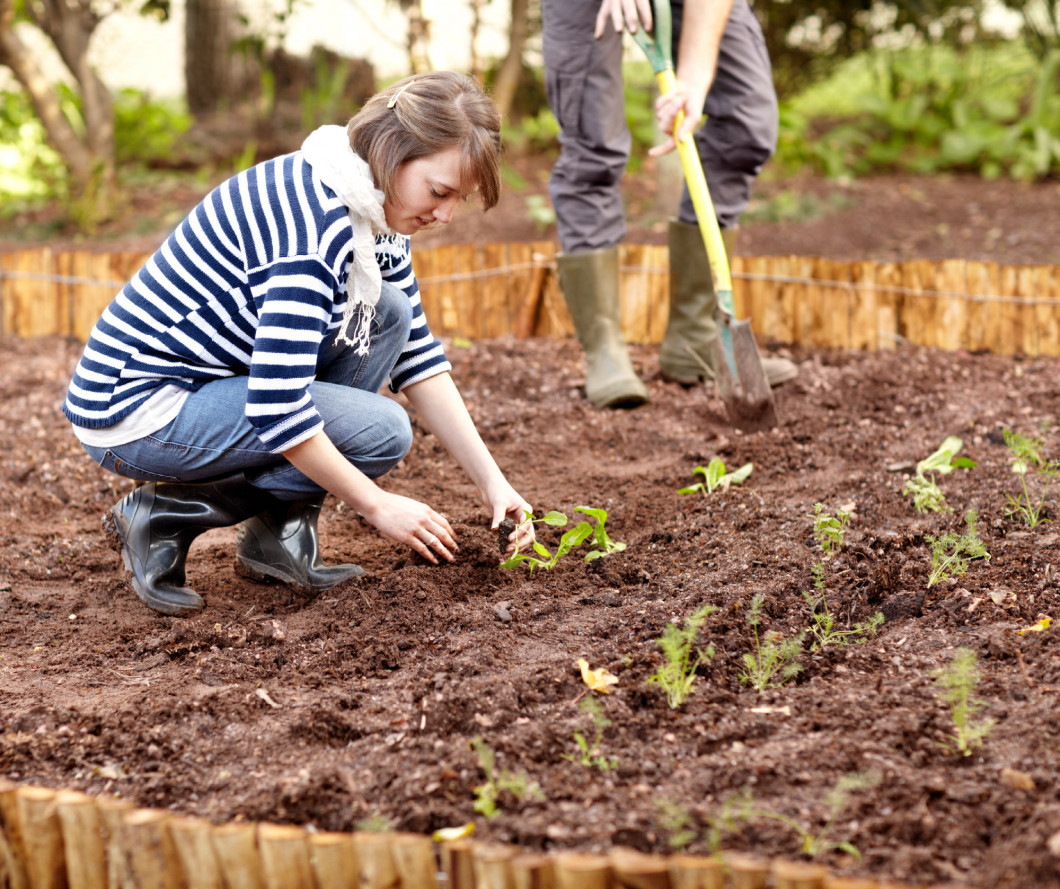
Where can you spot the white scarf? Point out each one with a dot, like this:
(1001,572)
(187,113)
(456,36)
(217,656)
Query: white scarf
(327,150)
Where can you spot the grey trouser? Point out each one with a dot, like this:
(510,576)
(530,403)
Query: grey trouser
(583,78)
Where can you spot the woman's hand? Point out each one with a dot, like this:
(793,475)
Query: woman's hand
(506,503)
(415,524)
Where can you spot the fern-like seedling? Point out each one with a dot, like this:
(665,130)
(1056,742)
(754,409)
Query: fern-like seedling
(951,552)
(683,657)
(958,680)
(775,659)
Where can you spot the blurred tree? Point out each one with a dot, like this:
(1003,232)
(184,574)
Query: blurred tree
(506,80)
(212,73)
(88,151)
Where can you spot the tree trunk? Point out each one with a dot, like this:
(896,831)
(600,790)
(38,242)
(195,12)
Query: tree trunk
(79,156)
(209,67)
(511,68)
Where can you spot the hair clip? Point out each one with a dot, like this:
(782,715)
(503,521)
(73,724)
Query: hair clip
(397,96)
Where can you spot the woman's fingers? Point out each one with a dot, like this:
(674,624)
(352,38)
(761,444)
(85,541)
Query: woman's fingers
(435,538)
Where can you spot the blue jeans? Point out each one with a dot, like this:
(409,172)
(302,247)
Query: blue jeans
(211,436)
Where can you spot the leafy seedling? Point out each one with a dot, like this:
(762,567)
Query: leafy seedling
(951,552)
(829,530)
(775,659)
(814,843)
(958,680)
(924,489)
(683,657)
(589,754)
(543,558)
(487,795)
(715,477)
(823,629)
(1027,460)
(678,823)
(605,546)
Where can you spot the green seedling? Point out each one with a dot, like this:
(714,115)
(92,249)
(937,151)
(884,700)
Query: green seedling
(1027,460)
(677,821)
(814,843)
(588,754)
(924,489)
(715,477)
(375,824)
(487,796)
(958,680)
(829,530)
(775,659)
(683,657)
(545,559)
(823,629)
(951,553)
(605,546)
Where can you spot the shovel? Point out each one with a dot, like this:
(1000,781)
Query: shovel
(741,379)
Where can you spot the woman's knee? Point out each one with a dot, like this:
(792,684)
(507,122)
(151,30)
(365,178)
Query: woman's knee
(393,312)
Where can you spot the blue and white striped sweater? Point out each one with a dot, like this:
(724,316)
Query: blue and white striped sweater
(252,282)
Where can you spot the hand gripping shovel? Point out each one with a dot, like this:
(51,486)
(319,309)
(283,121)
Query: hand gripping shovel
(741,379)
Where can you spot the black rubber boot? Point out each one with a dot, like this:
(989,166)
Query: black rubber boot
(282,543)
(154,526)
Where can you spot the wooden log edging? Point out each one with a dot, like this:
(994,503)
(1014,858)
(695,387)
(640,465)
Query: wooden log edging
(492,290)
(66,839)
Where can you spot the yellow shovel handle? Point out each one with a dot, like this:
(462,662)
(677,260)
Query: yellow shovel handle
(697,188)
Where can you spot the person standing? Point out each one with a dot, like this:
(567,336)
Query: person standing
(723,71)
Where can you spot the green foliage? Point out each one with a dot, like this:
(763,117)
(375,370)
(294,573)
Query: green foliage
(951,552)
(146,129)
(29,168)
(924,489)
(375,824)
(990,110)
(539,209)
(829,530)
(487,795)
(683,657)
(589,754)
(775,659)
(715,477)
(1027,459)
(574,537)
(958,680)
(823,627)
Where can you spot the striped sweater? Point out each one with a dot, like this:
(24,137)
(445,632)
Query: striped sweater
(252,282)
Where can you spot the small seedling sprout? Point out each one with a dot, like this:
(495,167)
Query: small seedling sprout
(683,657)
(823,628)
(1027,460)
(829,530)
(951,552)
(677,821)
(588,754)
(487,795)
(958,680)
(605,546)
(715,477)
(775,659)
(575,536)
(926,494)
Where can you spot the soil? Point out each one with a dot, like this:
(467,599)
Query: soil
(365,702)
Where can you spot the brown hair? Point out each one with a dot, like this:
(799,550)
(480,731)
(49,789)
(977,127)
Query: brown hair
(424,114)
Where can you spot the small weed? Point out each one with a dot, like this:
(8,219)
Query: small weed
(683,658)
(487,795)
(829,530)
(926,494)
(958,680)
(715,477)
(818,843)
(775,659)
(823,629)
(375,824)
(1027,460)
(588,754)
(951,553)
(677,821)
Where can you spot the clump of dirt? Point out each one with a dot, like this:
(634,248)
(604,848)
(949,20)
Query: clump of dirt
(363,702)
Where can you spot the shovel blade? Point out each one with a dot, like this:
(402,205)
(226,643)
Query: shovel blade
(741,378)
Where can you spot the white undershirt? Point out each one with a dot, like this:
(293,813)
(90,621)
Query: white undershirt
(149,417)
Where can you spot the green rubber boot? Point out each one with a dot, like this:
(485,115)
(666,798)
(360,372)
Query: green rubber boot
(589,281)
(686,354)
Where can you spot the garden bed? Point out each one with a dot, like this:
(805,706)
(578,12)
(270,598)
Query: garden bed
(377,702)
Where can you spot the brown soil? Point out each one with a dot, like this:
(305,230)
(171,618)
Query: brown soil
(362,702)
